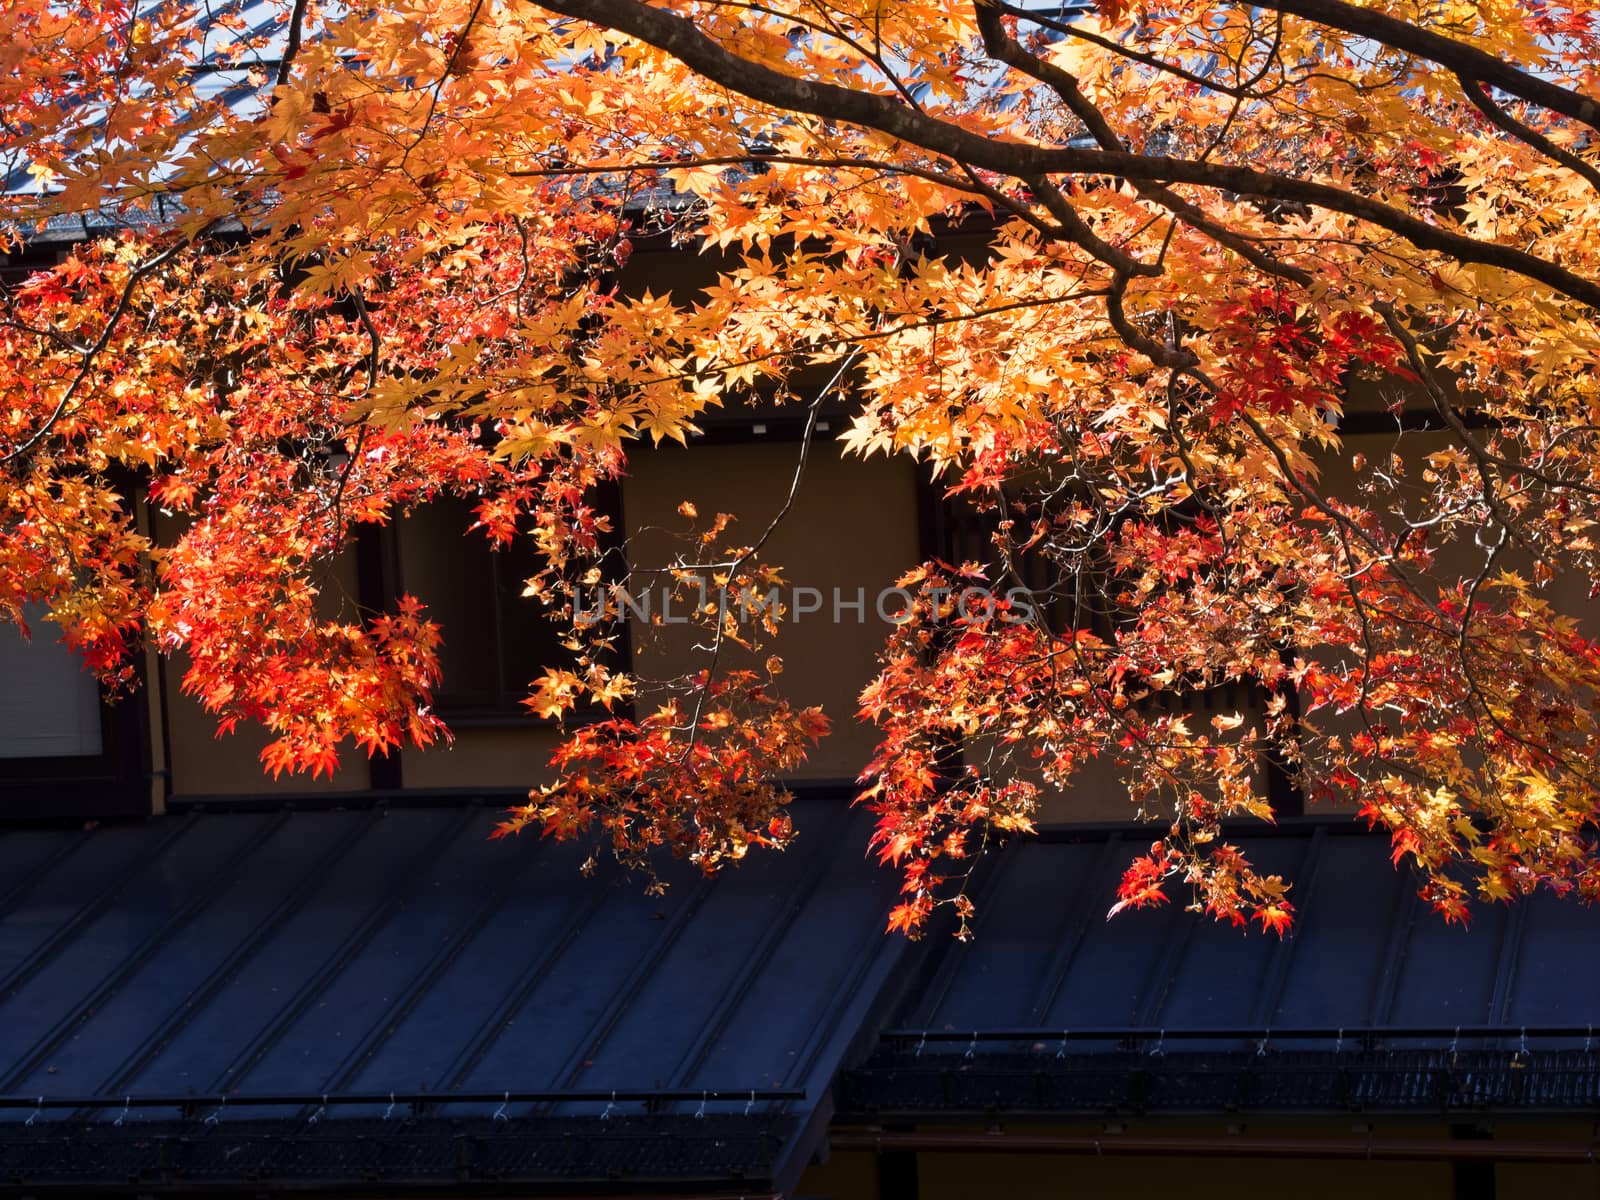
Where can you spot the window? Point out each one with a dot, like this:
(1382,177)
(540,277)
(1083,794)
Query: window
(496,641)
(64,751)
(50,706)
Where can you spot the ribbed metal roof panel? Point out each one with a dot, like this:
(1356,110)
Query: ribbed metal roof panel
(1364,953)
(354,953)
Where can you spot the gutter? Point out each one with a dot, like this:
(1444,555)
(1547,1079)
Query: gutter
(1211,1146)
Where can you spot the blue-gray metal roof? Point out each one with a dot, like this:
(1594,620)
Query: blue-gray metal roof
(1364,952)
(235,47)
(238,80)
(359,954)
(331,998)
(1372,1002)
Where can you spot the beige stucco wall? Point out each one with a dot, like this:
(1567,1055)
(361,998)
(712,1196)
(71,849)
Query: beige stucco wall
(1461,559)
(853,1175)
(853,526)
(514,757)
(966,1177)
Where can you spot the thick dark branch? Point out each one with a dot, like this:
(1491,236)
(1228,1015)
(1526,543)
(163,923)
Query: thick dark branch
(1005,48)
(1459,57)
(1127,52)
(1174,358)
(1078,231)
(747,161)
(1503,120)
(679,37)
(291,49)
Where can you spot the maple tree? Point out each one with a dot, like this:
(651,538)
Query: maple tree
(387,268)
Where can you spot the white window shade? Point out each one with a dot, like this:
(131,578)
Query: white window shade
(49,703)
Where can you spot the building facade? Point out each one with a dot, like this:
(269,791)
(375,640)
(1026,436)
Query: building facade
(216,982)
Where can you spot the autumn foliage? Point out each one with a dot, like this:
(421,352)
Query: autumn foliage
(374,255)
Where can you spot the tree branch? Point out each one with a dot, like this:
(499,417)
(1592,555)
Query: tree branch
(89,353)
(681,38)
(1459,57)
(291,49)
(1506,122)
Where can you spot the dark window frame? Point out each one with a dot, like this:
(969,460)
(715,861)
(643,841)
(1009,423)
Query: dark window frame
(381,574)
(114,783)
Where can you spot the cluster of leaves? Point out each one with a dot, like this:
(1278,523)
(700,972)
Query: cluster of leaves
(640,781)
(228,391)
(1112,278)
